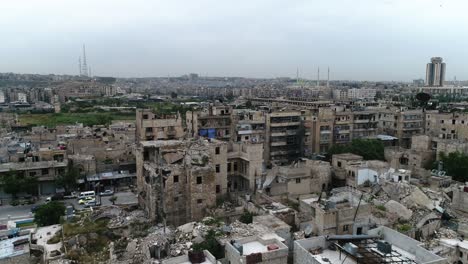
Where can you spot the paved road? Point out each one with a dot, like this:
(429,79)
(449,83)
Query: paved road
(24,211)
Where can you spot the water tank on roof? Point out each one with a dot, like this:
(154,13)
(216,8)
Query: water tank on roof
(384,247)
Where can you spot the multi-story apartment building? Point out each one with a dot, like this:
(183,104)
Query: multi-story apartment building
(244,166)
(333,126)
(178,180)
(151,126)
(45,165)
(249,126)
(284,137)
(214,122)
(447,125)
(402,124)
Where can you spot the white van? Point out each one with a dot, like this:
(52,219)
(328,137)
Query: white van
(86,194)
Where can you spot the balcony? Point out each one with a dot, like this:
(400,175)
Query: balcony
(280,143)
(284,124)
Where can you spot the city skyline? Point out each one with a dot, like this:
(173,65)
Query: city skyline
(384,41)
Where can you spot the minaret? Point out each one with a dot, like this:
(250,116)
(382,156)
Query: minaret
(84,69)
(318,77)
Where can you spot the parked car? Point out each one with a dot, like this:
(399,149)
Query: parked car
(55,197)
(34,208)
(91,203)
(85,200)
(106,193)
(71,195)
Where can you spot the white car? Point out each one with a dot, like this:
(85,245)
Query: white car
(106,193)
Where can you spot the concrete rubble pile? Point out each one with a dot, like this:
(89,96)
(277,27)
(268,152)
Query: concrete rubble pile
(409,202)
(119,218)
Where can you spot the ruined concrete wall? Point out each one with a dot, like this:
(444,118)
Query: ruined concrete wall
(218,154)
(460,200)
(202,196)
(421,143)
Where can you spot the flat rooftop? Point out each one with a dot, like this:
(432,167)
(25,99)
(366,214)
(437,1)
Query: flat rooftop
(8,249)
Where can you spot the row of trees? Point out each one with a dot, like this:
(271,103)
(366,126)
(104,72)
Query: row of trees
(15,183)
(369,149)
(455,164)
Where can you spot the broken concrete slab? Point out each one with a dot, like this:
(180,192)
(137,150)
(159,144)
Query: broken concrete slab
(398,209)
(418,198)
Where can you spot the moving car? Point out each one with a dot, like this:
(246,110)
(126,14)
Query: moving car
(106,193)
(85,200)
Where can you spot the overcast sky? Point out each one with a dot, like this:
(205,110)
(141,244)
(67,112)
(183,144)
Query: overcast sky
(358,39)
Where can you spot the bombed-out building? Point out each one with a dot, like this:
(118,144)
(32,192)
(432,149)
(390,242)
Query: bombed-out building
(179,179)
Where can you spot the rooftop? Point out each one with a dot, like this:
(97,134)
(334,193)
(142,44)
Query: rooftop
(14,246)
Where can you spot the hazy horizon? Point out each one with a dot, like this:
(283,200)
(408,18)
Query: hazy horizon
(388,40)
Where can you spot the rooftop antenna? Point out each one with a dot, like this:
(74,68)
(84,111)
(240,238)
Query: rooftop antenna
(84,69)
(318,76)
(328,78)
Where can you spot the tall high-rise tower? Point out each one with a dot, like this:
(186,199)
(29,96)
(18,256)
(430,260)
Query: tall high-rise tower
(84,65)
(435,72)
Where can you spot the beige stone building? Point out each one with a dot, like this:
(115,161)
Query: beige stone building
(300,178)
(421,155)
(178,179)
(151,126)
(339,214)
(249,126)
(340,163)
(213,122)
(447,125)
(244,166)
(402,124)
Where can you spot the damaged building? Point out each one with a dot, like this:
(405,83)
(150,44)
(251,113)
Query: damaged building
(300,178)
(179,179)
(152,126)
(344,212)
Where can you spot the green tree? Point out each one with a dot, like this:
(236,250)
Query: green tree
(210,244)
(456,165)
(49,214)
(112,199)
(14,183)
(173,95)
(10,183)
(246,217)
(68,179)
(248,104)
(369,149)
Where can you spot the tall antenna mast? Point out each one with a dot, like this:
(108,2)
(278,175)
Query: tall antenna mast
(79,65)
(297,75)
(84,69)
(328,78)
(318,76)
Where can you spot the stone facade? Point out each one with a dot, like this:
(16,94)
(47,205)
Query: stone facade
(177,179)
(151,126)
